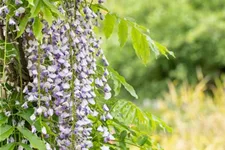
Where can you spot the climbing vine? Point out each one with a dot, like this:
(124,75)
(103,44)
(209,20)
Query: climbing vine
(55,89)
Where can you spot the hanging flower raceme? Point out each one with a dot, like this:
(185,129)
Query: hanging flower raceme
(65,77)
(50,68)
(88,51)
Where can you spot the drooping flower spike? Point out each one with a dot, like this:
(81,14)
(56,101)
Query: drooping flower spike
(64,65)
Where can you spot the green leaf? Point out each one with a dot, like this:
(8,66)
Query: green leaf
(123,145)
(35,141)
(123,135)
(10,51)
(5,132)
(26,115)
(140,44)
(37,29)
(35,9)
(117,87)
(160,123)
(109,24)
(136,38)
(130,115)
(23,24)
(3,119)
(48,129)
(47,15)
(31,2)
(9,146)
(116,123)
(122,142)
(123,32)
(53,8)
(27,147)
(96,7)
(144,50)
(153,46)
(163,50)
(142,140)
(116,76)
(134,24)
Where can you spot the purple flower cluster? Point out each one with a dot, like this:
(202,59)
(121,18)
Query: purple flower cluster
(51,61)
(65,76)
(88,51)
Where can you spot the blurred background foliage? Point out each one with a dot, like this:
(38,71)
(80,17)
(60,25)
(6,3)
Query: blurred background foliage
(187,92)
(198,119)
(193,29)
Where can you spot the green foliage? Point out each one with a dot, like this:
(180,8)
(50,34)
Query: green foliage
(26,147)
(26,116)
(47,15)
(133,126)
(52,8)
(140,45)
(162,49)
(38,9)
(10,51)
(31,2)
(120,80)
(3,119)
(37,27)
(35,9)
(193,30)
(9,146)
(123,32)
(5,132)
(109,24)
(142,42)
(23,25)
(35,141)
(96,7)
(128,113)
(142,140)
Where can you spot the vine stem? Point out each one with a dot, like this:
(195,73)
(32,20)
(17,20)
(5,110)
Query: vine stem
(21,86)
(72,61)
(5,47)
(39,83)
(4,67)
(72,87)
